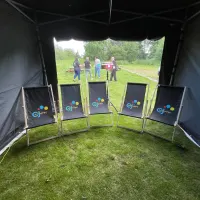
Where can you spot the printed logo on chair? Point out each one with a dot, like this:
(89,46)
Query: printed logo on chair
(168,109)
(42,110)
(72,106)
(133,104)
(99,101)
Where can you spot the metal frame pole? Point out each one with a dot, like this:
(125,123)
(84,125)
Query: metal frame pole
(177,55)
(83,101)
(45,80)
(60,108)
(179,114)
(110,16)
(148,111)
(20,11)
(145,108)
(25,115)
(122,103)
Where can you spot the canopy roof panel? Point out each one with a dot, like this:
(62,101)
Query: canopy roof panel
(117,19)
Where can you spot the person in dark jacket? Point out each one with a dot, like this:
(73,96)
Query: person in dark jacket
(114,69)
(87,65)
(77,69)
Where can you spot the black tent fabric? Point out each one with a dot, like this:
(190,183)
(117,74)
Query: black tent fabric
(168,102)
(192,134)
(98,98)
(71,102)
(38,105)
(20,65)
(134,100)
(187,74)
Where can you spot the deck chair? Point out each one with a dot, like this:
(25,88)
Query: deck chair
(133,103)
(72,105)
(168,106)
(39,109)
(99,102)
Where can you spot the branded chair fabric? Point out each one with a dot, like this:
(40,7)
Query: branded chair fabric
(72,104)
(98,98)
(168,106)
(133,101)
(39,109)
(99,102)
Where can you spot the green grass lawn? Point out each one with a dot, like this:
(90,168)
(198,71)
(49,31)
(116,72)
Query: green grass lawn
(104,163)
(150,71)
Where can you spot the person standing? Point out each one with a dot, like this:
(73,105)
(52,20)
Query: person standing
(87,65)
(114,69)
(97,67)
(77,69)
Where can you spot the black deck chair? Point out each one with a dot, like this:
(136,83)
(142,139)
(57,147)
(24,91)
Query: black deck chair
(99,102)
(133,103)
(168,106)
(72,105)
(39,109)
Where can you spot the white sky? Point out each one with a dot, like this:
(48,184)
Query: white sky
(72,44)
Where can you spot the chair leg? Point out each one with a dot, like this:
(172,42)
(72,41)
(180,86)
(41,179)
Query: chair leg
(27,135)
(61,127)
(111,115)
(118,117)
(87,122)
(173,135)
(143,125)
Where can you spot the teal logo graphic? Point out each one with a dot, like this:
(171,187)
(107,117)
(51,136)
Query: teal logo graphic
(166,109)
(72,105)
(40,111)
(99,101)
(133,104)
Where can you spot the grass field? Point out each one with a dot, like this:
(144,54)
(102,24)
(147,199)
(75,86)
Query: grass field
(104,163)
(146,70)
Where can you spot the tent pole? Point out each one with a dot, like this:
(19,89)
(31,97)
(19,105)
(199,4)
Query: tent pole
(72,17)
(193,16)
(21,5)
(110,16)
(20,11)
(67,17)
(177,54)
(45,80)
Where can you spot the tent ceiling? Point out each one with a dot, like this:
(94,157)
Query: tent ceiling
(74,7)
(117,19)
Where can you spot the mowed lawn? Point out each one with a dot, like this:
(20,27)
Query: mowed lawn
(150,71)
(103,163)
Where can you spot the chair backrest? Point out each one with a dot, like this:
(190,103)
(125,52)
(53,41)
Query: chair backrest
(71,101)
(134,99)
(168,104)
(38,105)
(98,97)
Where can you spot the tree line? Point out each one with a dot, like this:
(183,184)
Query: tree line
(125,51)
(121,50)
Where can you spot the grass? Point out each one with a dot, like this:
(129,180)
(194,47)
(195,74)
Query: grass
(150,71)
(105,163)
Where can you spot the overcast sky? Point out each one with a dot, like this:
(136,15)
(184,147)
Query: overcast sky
(72,44)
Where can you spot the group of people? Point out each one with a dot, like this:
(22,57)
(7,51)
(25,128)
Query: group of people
(87,65)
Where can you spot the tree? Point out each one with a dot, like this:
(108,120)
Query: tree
(127,51)
(62,54)
(156,50)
